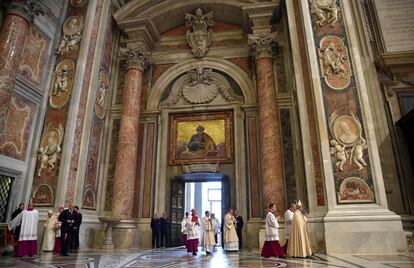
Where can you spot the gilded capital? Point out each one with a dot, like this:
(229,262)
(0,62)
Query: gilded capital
(27,9)
(262,44)
(138,58)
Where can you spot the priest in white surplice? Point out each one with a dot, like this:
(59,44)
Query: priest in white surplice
(208,234)
(288,223)
(271,246)
(193,232)
(49,237)
(27,244)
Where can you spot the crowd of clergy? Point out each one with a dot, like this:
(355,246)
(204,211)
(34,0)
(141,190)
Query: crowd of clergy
(61,230)
(208,228)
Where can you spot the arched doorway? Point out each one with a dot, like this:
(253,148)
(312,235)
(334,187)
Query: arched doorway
(178,199)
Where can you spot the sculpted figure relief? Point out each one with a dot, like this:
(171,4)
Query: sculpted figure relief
(62,83)
(50,148)
(325,11)
(199,32)
(71,35)
(333,60)
(100,102)
(347,142)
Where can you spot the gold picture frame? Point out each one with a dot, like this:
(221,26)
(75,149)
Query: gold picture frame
(201,138)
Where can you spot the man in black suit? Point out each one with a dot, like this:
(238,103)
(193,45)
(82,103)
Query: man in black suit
(78,222)
(156,228)
(165,224)
(67,218)
(239,228)
(16,231)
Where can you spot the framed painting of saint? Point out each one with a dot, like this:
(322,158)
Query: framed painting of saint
(201,138)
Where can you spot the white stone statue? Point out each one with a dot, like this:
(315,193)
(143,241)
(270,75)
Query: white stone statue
(69,42)
(357,153)
(61,82)
(340,153)
(49,153)
(333,60)
(100,100)
(325,11)
(199,32)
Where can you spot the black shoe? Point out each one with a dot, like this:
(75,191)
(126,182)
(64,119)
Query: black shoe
(194,254)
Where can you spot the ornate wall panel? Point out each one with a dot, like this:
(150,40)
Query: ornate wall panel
(101,105)
(35,50)
(352,176)
(61,89)
(319,180)
(15,136)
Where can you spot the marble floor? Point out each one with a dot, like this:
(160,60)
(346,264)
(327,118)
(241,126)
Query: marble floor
(177,257)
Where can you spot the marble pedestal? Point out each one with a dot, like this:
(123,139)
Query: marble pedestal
(120,234)
(363,234)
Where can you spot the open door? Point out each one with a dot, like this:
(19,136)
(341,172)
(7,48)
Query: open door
(225,201)
(176,211)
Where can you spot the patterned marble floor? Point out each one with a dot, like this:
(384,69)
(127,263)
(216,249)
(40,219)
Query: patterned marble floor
(177,257)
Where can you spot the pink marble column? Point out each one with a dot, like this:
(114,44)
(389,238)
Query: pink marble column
(270,138)
(12,38)
(126,157)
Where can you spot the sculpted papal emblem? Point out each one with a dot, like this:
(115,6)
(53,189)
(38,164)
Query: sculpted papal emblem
(100,103)
(50,148)
(199,32)
(355,190)
(325,11)
(62,83)
(334,61)
(347,142)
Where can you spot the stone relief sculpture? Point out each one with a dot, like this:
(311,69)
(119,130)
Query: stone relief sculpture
(72,29)
(325,11)
(347,142)
(355,190)
(62,83)
(334,61)
(199,32)
(100,103)
(199,86)
(77,3)
(50,148)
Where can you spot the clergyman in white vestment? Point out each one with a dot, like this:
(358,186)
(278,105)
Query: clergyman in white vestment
(27,244)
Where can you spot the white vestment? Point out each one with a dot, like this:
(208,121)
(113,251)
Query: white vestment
(49,236)
(216,225)
(208,235)
(184,224)
(193,230)
(288,222)
(271,232)
(29,220)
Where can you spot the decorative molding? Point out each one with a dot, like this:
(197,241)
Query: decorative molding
(263,43)
(27,9)
(138,58)
(200,86)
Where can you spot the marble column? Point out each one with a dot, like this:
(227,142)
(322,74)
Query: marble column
(270,140)
(12,38)
(126,157)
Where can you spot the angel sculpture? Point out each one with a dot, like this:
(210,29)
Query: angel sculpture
(199,32)
(340,153)
(199,75)
(61,82)
(357,154)
(50,151)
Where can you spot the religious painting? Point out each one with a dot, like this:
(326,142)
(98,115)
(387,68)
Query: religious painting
(43,195)
(89,198)
(201,138)
(355,190)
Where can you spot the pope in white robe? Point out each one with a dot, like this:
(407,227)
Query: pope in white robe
(230,239)
(49,237)
(208,234)
(299,245)
(27,244)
